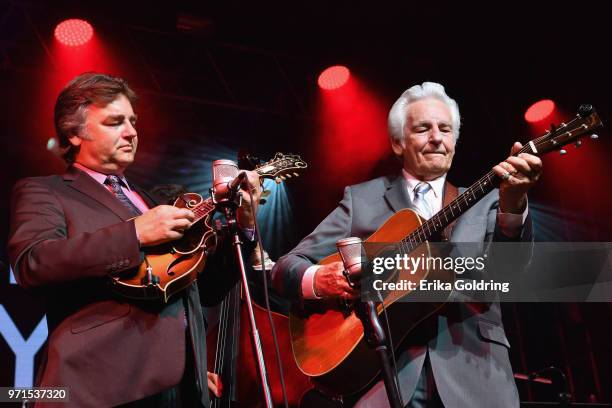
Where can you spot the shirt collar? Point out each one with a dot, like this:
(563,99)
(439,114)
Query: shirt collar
(437,185)
(100,177)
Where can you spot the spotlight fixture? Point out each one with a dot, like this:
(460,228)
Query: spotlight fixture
(73,32)
(539,111)
(334,77)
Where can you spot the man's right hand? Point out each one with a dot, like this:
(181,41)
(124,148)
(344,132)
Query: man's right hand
(162,224)
(329,282)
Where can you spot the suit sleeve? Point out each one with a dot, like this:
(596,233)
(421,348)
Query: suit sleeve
(289,269)
(42,253)
(519,258)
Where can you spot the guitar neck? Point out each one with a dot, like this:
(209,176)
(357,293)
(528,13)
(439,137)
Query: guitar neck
(443,218)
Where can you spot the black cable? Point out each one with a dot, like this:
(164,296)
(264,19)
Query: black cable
(267,298)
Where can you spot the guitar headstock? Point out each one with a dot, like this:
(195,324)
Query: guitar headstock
(584,123)
(281,167)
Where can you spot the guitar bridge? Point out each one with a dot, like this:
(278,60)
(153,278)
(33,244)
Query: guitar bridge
(150,279)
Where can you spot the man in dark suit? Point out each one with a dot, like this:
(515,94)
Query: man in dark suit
(70,233)
(459,357)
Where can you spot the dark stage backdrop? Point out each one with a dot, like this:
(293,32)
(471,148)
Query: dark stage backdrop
(250,84)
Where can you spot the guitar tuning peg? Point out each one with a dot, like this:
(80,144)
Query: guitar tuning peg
(594,136)
(283,178)
(288,175)
(578,143)
(278,180)
(296,174)
(562,152)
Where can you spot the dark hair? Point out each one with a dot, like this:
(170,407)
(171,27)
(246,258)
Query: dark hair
(72,102)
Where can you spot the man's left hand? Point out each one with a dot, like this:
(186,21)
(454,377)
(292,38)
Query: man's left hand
(518,174)
(245,212)
(214,384)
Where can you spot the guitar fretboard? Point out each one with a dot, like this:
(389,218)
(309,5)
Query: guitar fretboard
(452,211)
(553,139)
(469,197)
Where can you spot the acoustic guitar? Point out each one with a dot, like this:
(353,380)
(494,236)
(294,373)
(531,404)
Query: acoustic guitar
(329,344)
(171,267)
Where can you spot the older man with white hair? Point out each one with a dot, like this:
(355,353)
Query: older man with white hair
(458,357)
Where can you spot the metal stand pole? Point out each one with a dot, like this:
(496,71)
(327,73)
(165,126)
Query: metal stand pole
(376,339)
(229,210)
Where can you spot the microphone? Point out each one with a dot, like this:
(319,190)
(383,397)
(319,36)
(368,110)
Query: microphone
(226,179)
(350,252)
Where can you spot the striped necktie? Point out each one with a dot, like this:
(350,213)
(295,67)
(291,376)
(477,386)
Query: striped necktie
(114,183)
(420,203)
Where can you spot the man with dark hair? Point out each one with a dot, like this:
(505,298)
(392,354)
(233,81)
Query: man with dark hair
(70,233)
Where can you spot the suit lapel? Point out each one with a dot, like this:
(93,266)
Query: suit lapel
(397,194)
(82,182)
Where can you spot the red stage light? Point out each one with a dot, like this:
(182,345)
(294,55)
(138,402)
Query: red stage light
(539,111)
(73,32)
(334,77)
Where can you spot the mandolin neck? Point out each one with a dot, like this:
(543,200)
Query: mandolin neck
(203,209)
(207,206)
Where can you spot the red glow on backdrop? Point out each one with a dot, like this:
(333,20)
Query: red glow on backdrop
(62,64)
(539,111)
(334,77)
(568,180)
(72,61)
(352,137)
(73,32)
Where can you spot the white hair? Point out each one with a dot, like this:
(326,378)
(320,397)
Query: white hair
(399,110)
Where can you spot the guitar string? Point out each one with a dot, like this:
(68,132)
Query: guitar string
(421,234)
(417,237)
(220,351)
(435,224)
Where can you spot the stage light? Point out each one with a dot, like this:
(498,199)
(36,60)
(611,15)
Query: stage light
(334,77)
(73,32)
(539,111)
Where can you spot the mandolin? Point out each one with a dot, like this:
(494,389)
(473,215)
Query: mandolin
(173,266)
(329,345)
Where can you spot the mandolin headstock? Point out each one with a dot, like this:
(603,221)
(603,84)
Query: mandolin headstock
(281,167)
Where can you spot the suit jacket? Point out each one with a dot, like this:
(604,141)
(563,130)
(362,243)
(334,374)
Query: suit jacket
(68,233)
(466,342)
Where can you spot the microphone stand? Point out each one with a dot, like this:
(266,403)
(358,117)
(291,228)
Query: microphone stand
(229,207)
(376,340)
